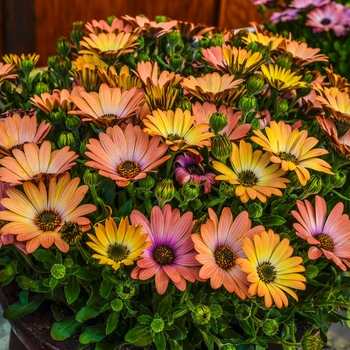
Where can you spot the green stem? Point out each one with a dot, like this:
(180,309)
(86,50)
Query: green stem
(169,164)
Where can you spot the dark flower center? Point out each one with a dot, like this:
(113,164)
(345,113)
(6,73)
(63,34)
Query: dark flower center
(247,178)
(326,21)
(326,241)
(71,232)
(47,220)
(288,157)
(195,169)
(266,272)
(164,255)
(117,252)
(174,137)
(3,223)
(128,169)
(224,257)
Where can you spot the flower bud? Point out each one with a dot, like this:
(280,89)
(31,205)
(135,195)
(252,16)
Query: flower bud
(311,342)
(284,61)
(77,32)
(237,38)
(174,38)
(66,138)
(110,20)
(255,84)
(68,262)
(58,271)
(157,325)
(71,232)
(41,88)
(227,190)
(307,77)
(27,66)
(82,146)
(304,91)
(221,147)
(176,61)
(311,271)
(117,305)
(270,327)
(281,107)
(247,104)
(217,122)
(63,46)
(141,42)
(217,40)
(255,210)
(201,314)
(6,87)
(72,122)
(203,43)
(62,65)
(190,190)
(126,290)
(57,116)
(266,53)
(91,177)
(338,179)
(164,191)
(253,46)
(243,312)
(147,182)
(184,103)
(216,310)
(143,57)
(314,185)
(160,19)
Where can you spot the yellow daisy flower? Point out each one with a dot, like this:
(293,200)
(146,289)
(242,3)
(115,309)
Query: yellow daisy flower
(273,43)
(118,245)
(292,149)
(282,79)
(272,271)
(249,171)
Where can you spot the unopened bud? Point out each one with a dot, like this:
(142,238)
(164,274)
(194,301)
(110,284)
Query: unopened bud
(201,314)
(281,107)
(174,38)
(164,191)
(41,88)
(216,310)
(27,66)
(66,138)
(58,271)
(314,185)
(190,190)
(72,122)
(117,305)
(217,40)
(184,103)
(221,147)
(147,182)
(157,325)
(255,84)
(226,189)
(110,20)
(270,327)
(218,121)
(243,312)
(91,177)
(247,104)
(126,290)
(338,179)
(63,46)
(284,61)
(311,342)
(176,61)
(160,19)
(57,116)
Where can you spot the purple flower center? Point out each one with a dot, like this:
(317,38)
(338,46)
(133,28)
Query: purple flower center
(326,241)
(163,255)
(224,257)
(195,169)
(326,21)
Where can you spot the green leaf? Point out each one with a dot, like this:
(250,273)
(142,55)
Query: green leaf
(174,345)
(87,274)
(92,334)
(26,282)
(145,319)
(53,283)
(129,308)
(44,256)
(136,333)
(112,322)
(105,289)
(159,341)
(273,220)
(72,290)
(63,329)
(125,209)
(86,313)
(18,309)
(165,305)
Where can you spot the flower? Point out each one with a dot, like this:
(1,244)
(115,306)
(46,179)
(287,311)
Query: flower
(271,269)
(328,235)
(5,72)
(219,245)
(37,216)
(171,255)
(116,245)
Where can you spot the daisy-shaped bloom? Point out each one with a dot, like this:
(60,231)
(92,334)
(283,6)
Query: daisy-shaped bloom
(117,25)
(271,268)
(307,4)
(109,46)
(292,149)
(203,112)
(328,235)
(15,131)
(329,17)
(123,79)
(109,106)
(6,72)
(177,129)
(272,42)
(171,255)
(190,31)
(16,60)
(336,80)
(284,16)
(37,215)
(125,156)
(189,167)
(251,173)
(33,162)
(219,244)
(281,78)
(116,245)
(211,87)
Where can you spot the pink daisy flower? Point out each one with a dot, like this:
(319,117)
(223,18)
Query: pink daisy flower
(307,4)
(171,255)
(284,16)
(329,236)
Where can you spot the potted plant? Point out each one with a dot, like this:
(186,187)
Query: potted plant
(174,186)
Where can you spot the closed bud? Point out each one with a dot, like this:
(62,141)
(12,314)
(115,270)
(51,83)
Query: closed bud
(203,43)
(266,53)
(176,61)
(160,19)
(68,262)
(284,61)
(174,38)
(66,138)
(77,32)
(62,65)
(237,39)
(227,190)
(157,325)
(338,179)
(71,232)
(141,41)
(110,20)
(221,147)
(27,66)
(304,91)
(58,116)
(255,84)
(247,104)
(201,314)
(41,88)
(307,77)
(281,107)
(91,177)
(72,122)
(51,61)
(243,312)
(217,122)
(58,271)
(184,103)
(217,40)
(294,181)
(270,327)
(6,87)
(164,191)
(311,271)
(117,305)
(255,210)
(143,57)
(314,185)
(147,182)
(82,146)
(126,290)
(311,342)
(63,46)
(253,46)
(190,190)
(216,310)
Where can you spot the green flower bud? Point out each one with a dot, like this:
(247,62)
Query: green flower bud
(117,305)
(176,61)
(216,310)
(184,103)
(311,342)
(255,210)
(217,40)
(266,53)
(91,177)
(294,181)
(110,20)
(338,179)
(68,262)
(164,191)
(126,290)
(253,46)
(247,104)
(66,139)
(281,107)
(147,182)
(311,271)
(307,77)
(62,65)
(71,232)
(243,312)
(141,41)
(226,189)
(190,190)
(255,84)
(217,122)
(27,66)
(227,346)
(57,116)
(201,314)
(82,146)
(304,91)
(237,40)
(270,327)
(203,43)
(314,185)
(157,325)
(41,88)
(284,61)
(77,32)
(143,57)
(160,19)
(72,122)
(221,147)
(58,271)
(174,38)
(6,87)
(63,46)
(51,61)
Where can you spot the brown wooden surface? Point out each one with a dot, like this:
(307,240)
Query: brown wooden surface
(1,32)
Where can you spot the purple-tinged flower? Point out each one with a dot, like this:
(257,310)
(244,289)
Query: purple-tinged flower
(284,16)
(308,4)
(267,3)
(188,168)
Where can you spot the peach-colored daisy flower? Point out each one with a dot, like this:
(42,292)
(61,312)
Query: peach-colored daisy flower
(219,244)
(329,234)
(6,72)
(33,162)
(37,215)
(125,156)
(117,25)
